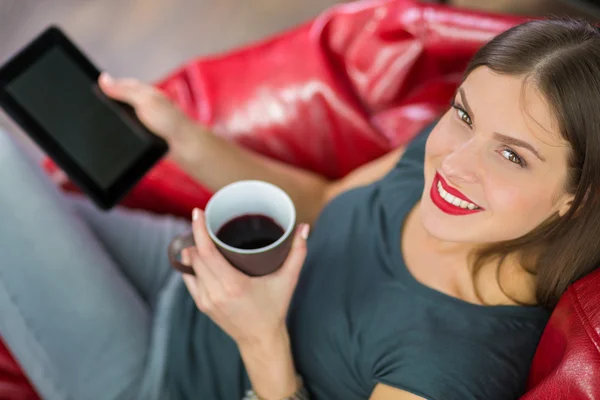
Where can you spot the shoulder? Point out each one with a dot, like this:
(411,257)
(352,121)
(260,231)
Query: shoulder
(402,186)
(411,154)
(415,149)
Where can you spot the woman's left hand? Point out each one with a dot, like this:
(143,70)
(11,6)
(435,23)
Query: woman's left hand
(252,310)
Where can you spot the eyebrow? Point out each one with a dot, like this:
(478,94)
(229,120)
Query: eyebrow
(518,142)
(498,136)
(463,97)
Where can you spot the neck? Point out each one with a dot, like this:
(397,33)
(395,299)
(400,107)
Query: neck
(509,285)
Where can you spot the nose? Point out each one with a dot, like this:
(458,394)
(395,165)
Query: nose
(462,166)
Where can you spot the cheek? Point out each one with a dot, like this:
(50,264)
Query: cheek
(524,205)
(507,199)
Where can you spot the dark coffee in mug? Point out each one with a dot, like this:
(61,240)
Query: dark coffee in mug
(250,231)
(252,224)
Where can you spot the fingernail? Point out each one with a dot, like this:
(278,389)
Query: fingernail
(195,214)
(107,78)
(304,231)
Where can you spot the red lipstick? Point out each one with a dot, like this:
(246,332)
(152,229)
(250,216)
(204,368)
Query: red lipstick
(443,204)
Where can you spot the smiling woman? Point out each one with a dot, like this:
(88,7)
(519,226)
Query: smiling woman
(534,92)
(428,273)
(499,144)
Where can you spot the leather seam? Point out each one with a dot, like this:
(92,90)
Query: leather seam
(593,336)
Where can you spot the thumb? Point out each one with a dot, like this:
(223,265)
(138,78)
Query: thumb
(293,264)
(127,90)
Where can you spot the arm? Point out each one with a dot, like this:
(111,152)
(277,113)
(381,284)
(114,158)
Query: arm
(384,392)
(216,162)
(251,310)
(271,368)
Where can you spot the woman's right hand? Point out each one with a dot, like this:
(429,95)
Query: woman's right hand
(156,112)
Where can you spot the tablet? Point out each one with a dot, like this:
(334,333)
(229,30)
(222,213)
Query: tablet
(50,89)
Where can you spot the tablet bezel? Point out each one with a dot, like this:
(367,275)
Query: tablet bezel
(105,198)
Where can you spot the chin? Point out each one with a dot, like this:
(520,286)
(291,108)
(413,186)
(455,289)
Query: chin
(436,227)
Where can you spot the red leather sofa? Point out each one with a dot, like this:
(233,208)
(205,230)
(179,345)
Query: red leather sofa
(331,95)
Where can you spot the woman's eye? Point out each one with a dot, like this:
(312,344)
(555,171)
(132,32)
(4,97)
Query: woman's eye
(513,157)
(462,114)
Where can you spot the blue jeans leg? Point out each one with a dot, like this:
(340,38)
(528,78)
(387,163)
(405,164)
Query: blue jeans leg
(68,312)
(137,241)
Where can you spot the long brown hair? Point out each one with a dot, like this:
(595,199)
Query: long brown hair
(561,57)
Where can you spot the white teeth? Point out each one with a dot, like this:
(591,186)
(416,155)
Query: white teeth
(454,200)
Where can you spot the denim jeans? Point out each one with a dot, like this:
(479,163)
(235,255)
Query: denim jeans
(84,294)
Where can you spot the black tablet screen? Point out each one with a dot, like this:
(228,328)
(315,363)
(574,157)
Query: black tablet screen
(102,142)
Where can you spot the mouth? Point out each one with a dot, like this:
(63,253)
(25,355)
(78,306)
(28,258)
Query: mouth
(450,200)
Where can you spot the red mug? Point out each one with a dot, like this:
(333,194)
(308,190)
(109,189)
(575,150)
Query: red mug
(237,201)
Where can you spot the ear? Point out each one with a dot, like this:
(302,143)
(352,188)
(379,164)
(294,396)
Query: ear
(566,205)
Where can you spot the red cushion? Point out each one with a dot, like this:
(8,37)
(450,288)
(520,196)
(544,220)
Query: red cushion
(567,361)
(331,95)
(13,384)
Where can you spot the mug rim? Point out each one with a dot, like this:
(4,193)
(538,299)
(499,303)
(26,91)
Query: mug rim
(286,233)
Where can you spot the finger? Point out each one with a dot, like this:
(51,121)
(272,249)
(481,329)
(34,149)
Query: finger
(221,269)
(185,257)
(196,286)
(208,287)
(198,295)
(209,282)
(192,285)
(128,90)
(294,261)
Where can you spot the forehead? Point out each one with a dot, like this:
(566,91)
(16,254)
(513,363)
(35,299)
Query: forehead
(512,105)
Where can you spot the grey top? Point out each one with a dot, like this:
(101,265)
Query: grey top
(359,317)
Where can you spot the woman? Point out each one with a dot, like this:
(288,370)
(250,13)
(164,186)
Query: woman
(430,272)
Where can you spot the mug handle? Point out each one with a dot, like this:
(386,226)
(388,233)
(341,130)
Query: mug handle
(177,244)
